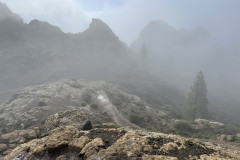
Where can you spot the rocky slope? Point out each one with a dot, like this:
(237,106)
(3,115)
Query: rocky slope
(93,104)
(11,140)
(69,143)
(154,107)
(32,105)
(102,102)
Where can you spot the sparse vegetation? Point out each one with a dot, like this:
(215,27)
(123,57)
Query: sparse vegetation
(117,99)
(231,129)
(83,104)
(237,140)
(42,104)
(137,119)
(196,103)
(183,128)
(86,97)
(94,106)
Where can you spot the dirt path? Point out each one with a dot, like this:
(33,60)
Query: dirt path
(113,111)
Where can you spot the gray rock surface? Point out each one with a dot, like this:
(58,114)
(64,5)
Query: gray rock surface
(226,138)
(78,143)
(208,122)
(67,142)
(75,118)
(12,139)
(32,105)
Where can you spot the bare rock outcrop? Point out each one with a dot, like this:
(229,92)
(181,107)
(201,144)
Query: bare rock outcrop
(75,118)
(11,140)
(59,138)
(226,138)
(68,142)
(208,122)
(92,148)
(78,143)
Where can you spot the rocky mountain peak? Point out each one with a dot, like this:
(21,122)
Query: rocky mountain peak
(98,24)
(5,13)
(160,28)
(43,26)
(159,23)
(100,30)
(34,22)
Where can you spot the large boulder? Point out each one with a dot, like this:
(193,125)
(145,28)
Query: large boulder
(92,147)
(226,138)
(74,118)
(230,138)
(238,135)
(222,138)
(78,143)
(11,140)
(58,138)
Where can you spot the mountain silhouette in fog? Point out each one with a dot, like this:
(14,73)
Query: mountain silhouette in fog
(39,51)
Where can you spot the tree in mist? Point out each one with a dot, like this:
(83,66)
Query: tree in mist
(196,102)
(144,54)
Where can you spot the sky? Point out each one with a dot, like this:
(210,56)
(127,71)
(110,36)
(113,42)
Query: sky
(128,17)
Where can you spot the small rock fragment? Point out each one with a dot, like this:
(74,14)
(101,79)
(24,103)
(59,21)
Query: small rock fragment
(78,143)
(92,147)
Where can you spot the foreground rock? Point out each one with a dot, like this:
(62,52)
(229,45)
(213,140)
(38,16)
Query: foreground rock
(70,143)
(11,140)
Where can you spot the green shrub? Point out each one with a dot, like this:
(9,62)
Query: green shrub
(94,106)
(43,121)
(197,135)
(182,125)
(116,102)
(42,104)
(86,98)
(237,140)
(83,104)
(231,129)
(183,128)
(136,119)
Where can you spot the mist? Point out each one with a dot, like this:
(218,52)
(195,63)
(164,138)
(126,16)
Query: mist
(141,57)
(218,16)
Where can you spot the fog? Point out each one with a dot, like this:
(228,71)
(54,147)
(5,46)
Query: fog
(44,41)
(220,17)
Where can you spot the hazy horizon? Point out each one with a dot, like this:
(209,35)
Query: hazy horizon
(128,18)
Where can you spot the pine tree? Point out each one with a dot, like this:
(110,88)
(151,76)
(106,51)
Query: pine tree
(143,55)
(196,102)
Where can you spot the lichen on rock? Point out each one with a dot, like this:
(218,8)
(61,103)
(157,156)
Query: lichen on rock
(68,142)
